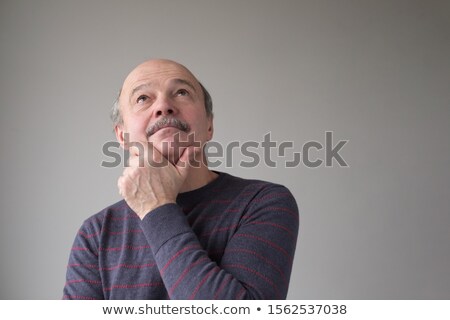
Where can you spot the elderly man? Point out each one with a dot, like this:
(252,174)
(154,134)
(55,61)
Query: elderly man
(181,231)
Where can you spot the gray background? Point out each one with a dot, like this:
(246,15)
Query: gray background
(375,73)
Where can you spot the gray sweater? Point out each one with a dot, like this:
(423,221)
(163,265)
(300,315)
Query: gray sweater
(231,239)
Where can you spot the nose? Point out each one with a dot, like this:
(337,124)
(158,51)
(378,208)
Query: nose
(165,107)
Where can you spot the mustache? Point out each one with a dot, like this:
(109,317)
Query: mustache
(168,122)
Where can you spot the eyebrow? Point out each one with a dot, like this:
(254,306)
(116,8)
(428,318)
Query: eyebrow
(174,81)
(138,88)
(182,81)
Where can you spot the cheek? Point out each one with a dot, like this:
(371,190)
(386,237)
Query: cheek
(201,129)
(136,128)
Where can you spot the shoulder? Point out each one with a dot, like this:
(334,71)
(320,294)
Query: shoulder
(268,206)
(259,191)
(253,184)
(117,211)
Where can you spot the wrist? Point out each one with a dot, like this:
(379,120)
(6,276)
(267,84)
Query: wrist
(148,209)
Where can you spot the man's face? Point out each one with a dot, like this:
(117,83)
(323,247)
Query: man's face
(159,100)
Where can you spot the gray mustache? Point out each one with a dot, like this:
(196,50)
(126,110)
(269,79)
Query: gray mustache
(167,122)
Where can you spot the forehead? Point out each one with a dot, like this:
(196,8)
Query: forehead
(156,72)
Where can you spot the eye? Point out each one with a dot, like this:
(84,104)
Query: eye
(182,92)
(141,99)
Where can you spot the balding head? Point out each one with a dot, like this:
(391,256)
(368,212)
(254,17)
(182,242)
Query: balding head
(151,68)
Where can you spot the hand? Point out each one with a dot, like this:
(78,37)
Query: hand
(154,181)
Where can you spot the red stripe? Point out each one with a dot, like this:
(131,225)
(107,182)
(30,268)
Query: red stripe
(244,290)
(185,272)
(87,236)
(234,226)
(66,297)
(230,278)
(126,266)
(239,266)
(290,232)
(250,193)
(293,213)
(84,281)
(197,288)
(133,286)
(177,255)
(220,215)
(240,294)
(216,230)
(114,233)
(262,258)
(128,247)
(273,245)
(272,195)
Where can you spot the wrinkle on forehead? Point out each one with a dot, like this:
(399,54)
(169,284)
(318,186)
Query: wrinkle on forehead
(155,69)
(158,69)
(149,85)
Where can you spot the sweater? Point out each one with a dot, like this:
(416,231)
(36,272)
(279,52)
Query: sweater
(230,239)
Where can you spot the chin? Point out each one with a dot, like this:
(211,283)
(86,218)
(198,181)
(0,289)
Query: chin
(169,149)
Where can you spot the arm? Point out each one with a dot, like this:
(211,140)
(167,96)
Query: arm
(256,263)
(83,280)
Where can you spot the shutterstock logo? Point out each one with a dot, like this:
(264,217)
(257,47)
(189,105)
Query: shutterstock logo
(272,154)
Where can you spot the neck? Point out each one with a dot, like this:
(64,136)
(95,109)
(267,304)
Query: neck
(197,178)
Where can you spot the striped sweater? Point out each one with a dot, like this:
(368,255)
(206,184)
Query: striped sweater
(231,239)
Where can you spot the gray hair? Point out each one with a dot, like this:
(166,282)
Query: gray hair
(117,119)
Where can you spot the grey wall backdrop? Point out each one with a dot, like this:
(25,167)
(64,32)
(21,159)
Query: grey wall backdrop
(375,73)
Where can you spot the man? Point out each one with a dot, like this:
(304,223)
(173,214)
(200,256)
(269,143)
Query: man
(182,230)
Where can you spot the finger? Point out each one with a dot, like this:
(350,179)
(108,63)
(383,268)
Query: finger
(136,162)
(139,153)
(136,149)
(186,161)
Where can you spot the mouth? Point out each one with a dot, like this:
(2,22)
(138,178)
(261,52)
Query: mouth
(167,122)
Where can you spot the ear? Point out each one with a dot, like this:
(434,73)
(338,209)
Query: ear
(210,128)
(119,130)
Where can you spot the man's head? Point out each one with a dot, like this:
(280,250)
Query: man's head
(158,100)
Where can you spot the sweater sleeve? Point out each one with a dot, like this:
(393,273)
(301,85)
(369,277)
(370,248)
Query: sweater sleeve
(256,263)
(83,280)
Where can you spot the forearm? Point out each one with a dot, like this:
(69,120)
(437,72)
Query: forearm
(188,272)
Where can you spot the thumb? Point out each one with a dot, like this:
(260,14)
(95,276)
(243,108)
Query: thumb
(134,151)
(138,152)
